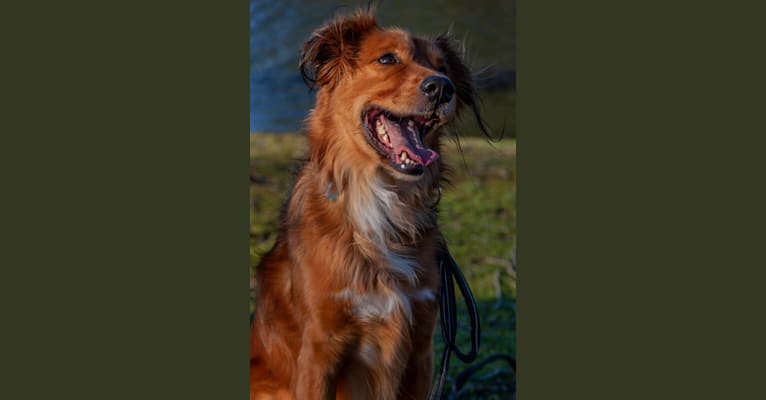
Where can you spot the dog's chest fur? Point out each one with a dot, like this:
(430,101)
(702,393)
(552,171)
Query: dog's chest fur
(387,286)
(386,317)
(363,252)
(386,224)
(384,302)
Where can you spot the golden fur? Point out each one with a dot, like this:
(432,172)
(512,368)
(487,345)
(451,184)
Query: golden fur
(346,301)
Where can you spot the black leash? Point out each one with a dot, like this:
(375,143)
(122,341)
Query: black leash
(449,270)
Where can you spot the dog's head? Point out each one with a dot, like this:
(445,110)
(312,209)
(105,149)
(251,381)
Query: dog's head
(394,90)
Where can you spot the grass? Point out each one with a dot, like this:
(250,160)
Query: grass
(477,216)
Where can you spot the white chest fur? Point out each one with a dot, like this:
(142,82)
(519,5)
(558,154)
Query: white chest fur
(383,304)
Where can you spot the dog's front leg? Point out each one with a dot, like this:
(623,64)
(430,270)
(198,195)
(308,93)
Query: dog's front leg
(317,364)
(313,374)
(417,380)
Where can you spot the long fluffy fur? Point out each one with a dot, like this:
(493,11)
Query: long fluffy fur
(346,299)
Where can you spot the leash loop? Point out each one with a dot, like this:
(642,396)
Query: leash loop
(450,273)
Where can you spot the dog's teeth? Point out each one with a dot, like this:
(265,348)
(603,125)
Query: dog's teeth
(384,137)
(403,156)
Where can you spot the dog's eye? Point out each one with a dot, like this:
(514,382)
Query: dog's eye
(388,59)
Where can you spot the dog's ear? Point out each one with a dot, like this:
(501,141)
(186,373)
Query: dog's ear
(331,51)
(461,77)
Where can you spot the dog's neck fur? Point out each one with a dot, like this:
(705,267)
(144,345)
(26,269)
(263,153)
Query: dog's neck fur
(384,216)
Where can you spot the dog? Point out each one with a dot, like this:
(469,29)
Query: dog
(347,299)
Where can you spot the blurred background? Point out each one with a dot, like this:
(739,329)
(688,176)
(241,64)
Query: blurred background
(478,208)
(279,99)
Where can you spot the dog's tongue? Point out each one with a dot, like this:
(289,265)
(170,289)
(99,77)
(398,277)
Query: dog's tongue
(404,136)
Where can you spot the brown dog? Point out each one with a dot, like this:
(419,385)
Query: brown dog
(346,301)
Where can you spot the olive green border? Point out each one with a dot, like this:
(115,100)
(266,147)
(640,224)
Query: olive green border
(132,165)
(640,225)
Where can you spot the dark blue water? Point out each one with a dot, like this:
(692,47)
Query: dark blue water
(279,100)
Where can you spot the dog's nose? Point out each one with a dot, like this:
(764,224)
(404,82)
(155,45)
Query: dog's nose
(438,89)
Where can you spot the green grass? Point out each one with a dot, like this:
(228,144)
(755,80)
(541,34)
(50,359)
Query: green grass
(477,216)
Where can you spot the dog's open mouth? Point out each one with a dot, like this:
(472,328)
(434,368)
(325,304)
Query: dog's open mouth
(400,139)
